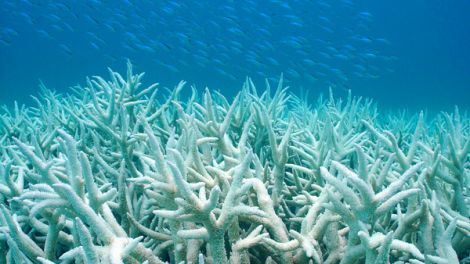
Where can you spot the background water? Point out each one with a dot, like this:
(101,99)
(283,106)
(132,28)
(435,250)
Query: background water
(404,54)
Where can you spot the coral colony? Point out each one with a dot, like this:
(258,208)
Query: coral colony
(123,174)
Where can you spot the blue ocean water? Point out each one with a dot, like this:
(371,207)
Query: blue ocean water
(404,54)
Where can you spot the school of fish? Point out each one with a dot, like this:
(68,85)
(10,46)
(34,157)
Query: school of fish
(328,42)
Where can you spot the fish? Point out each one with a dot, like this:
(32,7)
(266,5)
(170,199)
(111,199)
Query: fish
(66,49)
(303,38)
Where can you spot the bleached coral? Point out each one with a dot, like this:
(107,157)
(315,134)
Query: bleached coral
(123,174)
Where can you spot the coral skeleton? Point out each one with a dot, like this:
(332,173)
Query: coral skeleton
(121,173)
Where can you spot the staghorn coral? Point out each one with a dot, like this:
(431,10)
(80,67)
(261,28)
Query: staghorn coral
(123,174)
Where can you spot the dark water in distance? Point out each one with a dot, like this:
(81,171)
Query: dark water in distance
(404,54)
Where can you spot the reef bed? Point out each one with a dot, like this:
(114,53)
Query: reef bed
(119,173)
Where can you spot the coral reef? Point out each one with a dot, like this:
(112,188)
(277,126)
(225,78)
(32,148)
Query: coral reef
(118,173)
